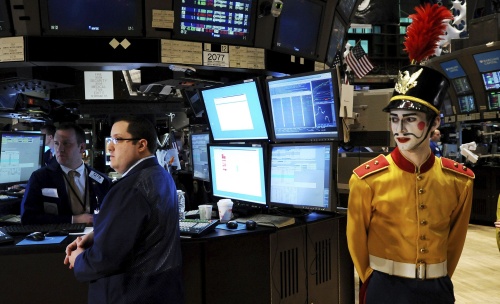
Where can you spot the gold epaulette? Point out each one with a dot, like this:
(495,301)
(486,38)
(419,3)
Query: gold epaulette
(452,165)
(374,165)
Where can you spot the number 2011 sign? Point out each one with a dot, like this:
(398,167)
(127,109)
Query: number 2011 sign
(216,59)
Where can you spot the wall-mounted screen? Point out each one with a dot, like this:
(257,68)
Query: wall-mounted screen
(302,176)
(304,107)
(453,69)
(91,17)
(238,172)
(488,61)
(199,156)
(6,28)
(466,104)
(461,85)
(231,22)
(20,155)
(493,101)
(337,37)
(235,112)
(192,96)
(346,9)
(297,28)
(491,80)
(447,108)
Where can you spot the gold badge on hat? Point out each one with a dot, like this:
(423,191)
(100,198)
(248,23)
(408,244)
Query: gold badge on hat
(406,82)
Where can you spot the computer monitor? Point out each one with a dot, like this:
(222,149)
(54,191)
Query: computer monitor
(6,28)
(462,85)
(20,155)
(107,155)
(297,28)
(466,104)
(192,96)
(91,18)
(493,101)
(238,172)
(235,111)
(217,22)
(304,107)
(337,38)
(491,80)
(346,9)
(302,176)
(199,156)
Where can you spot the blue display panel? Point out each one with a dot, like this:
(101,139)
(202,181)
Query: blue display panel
(238,172)
(453,69)
(466,104)
(304,107)
(489,61)
(199,156)
(235,112)
(491,80)
(220,21)
(302,176)
(20,155)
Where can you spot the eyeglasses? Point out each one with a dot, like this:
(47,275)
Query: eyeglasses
(117,140)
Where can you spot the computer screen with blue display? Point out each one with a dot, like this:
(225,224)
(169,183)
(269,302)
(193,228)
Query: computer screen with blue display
(235,112)
(238,171)
(466,104)
(304,107)
(491,80)
(199,156)
(302,176)
(20,155)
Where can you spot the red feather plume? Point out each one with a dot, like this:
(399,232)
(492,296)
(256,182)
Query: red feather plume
(422,35)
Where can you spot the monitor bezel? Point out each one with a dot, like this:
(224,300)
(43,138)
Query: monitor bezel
(288,50)
(177,35)
(138,19)
(40,160)
(336,101)
(191,155)
(333,193)
(210,114)
(239,203)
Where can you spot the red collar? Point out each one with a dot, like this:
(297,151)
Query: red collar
(406,165)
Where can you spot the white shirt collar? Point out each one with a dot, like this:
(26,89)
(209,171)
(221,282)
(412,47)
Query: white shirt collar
(80,169)
(138,162)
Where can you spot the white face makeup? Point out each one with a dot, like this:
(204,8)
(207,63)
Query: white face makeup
(409,129)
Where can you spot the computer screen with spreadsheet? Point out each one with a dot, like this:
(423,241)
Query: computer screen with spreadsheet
(237,171)
(20,155)
(302,176)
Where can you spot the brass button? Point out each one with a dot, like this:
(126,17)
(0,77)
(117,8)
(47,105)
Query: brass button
(455,164)
(419,178)
(376,162)
(422,206)
(423,250)
(423,222)
(421,191)
(367,167)
(464,168)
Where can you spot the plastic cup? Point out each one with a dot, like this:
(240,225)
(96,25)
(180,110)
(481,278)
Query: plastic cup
(205,212)
(225,207)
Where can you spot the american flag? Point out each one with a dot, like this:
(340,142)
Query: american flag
(337,60)
(358,61)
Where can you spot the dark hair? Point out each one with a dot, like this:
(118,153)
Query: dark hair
(140,127)
(49,129)
(79,132)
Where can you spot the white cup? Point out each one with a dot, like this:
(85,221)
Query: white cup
(225,207)
(205,212)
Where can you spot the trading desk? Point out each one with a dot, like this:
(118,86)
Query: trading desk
(304,263)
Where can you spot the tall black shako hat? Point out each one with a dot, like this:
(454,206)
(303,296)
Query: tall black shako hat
(419,88)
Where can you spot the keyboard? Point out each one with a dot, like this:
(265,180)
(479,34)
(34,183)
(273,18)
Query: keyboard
(196,227)
(5,237)
(269,220)
(27,229)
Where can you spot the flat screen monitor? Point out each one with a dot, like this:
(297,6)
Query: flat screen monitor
(337,37)
(235,111)
(346,9)
(304,107)
(91,17)
(6,28)
(302,176)
(238,172)
(199,156)
(462,85)
(20,155)
(491,80)
(466,104)
(297,28)
(447,107)
(192,96)
(493,101)
(231,22)
(488,61)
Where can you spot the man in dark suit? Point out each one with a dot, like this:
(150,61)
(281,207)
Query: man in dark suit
(49,156)
(133,254)
(53,195)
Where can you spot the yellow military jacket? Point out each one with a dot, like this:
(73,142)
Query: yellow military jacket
(399,212)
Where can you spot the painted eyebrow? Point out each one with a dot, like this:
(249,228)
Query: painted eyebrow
(405,115)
